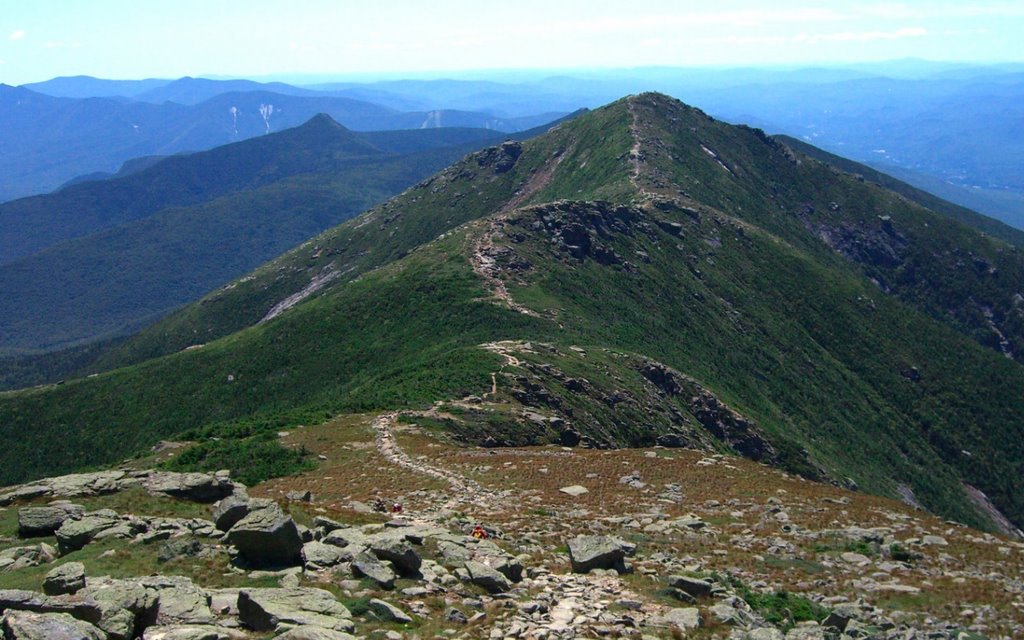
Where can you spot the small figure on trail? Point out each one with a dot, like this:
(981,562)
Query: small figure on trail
(396,508)
(479,533)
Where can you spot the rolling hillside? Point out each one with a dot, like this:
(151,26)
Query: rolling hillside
(641,274)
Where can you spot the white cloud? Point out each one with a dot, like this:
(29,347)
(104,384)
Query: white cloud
(813,38)
(17,34)
(863,36)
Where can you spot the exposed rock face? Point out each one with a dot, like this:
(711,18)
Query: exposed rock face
(201,487)
(587,553)
(267,537)
(67,578)
(281,609)
(502,157)
(26,625)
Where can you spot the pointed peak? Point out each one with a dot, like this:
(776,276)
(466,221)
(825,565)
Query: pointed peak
(322,120)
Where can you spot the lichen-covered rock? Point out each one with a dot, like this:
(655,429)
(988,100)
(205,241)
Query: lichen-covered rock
(197,487)
(317,555)
(26,625)
(281,609)
(75,534)
(28,556)
(126,607)
(67,578)
(179,600)
(43,521)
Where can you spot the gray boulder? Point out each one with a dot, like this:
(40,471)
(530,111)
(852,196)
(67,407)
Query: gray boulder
(43,521)
(399,553)
(281,609)
(230,510)
(267,536)
(387,612)
(75,534)
(694,587)
(26,625)
(483,576)
(196,487)
(317,555)
(366,564)
(67,578)
(28,556)
(685,619)
(126,607)
(587,553)
(179,601)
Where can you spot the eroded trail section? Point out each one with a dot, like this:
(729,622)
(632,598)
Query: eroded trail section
(464,490)
(483,252)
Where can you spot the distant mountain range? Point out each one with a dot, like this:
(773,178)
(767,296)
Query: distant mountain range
(642,274)
(104,257)
(49,140)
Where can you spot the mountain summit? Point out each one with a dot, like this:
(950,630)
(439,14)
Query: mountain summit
(640,275)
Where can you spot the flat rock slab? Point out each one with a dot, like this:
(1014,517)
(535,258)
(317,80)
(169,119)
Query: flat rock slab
(26,625)
(280,609)
(684,618)
(387,612)
(192,632)
(574,490)
(310,632)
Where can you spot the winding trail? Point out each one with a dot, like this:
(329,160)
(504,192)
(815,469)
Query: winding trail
(464,490)
(482,253)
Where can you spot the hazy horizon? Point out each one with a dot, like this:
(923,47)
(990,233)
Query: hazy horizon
(321,39)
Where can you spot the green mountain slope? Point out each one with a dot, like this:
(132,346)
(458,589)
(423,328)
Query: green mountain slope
(640,274)
(254,199)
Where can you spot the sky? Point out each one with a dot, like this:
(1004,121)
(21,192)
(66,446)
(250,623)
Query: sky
(122,39)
